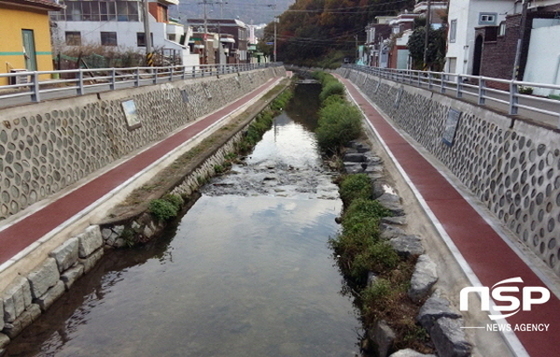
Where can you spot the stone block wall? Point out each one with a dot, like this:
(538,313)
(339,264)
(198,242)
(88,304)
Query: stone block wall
(513,169)
(49,146)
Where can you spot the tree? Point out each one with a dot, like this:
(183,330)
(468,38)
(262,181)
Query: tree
(435,57)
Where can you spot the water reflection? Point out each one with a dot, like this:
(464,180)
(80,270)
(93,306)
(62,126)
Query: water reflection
(241,274)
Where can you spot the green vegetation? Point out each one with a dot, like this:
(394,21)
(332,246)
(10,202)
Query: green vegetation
(166,207)
(359,251)
(339,121)
(355,186)
(435,56)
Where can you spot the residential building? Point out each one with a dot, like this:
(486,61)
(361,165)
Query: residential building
(238,49)
(464,48)
(25,43)
(387,38)
(120,23)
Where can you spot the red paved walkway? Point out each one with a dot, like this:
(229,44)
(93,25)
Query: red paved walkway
(25,232)
(490,258)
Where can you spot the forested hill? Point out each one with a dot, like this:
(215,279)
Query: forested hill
(248,11)
(322,32)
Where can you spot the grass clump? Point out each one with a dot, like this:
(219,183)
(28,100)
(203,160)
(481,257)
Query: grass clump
(166,207)
(355,186)
(331,88)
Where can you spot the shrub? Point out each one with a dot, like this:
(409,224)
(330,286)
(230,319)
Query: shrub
(335,98)
(338,124)
(162,209)
(331,88)
(355,186)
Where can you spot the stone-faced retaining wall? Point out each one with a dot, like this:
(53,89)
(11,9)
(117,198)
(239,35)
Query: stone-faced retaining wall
(513,167)
(48,146)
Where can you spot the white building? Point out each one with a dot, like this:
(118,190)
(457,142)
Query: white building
(120,23)
(464,16)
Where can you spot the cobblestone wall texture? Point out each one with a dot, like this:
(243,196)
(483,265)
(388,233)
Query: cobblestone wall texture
(49,146)
(513,170)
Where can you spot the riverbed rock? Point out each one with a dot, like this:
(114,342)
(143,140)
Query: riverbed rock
(25,319)
(50,296)
(433,309)
(377,189)
(353,157)
(44,277)
(406,246)
(4,341)
(383,337)
(71,275)
(449,339)
(392,203)
(410,353)
(371,278)
(1,314)
(90,261)
(389,231)
(16,298)
(396,221)
(423,278)
(66,255)
(89,241)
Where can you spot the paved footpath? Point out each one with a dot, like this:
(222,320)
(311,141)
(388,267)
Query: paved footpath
(488,256)
(26,232)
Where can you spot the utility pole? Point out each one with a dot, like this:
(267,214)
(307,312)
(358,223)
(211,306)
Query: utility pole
(220,29)
(357,49)
(276,20)
(147,36)
(427,35)
(516,64)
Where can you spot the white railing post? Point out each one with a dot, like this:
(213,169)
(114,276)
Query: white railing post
(513,98)
(459,86)
(183,75)
(35,96)
(430,80)
(171,74)
(481,91)
(80,82)
(155,75)
(137,81)
(442,83)
(113,79)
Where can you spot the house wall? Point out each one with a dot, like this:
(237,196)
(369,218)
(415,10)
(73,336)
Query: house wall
(512,167)
(466,12)
(126,32)
(498,57)
(543,64)
(13,20)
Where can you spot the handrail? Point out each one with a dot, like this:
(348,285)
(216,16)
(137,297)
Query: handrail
(472,86)
(27,84)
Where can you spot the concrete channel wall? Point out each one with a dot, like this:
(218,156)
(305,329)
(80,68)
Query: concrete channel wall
(48,146)
(512,166)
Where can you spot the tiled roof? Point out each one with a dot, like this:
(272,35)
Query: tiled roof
(43,4)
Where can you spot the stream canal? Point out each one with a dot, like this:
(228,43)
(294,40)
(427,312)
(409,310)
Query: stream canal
(246,272)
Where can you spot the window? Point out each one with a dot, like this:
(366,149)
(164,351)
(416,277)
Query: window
(108,38)
(453,31)
(109,10)
(141,39)
(502,30)
(487,18)
(73,38)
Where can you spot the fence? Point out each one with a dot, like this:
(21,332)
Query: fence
(476,89)
(26,86)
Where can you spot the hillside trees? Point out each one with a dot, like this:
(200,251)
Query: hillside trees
(323,32)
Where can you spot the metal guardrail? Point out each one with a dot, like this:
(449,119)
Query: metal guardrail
(475,87)
(82,81)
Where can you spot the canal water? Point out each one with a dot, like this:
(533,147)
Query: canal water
(246,272)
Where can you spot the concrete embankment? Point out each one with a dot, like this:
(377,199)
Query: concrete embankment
(68,162)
